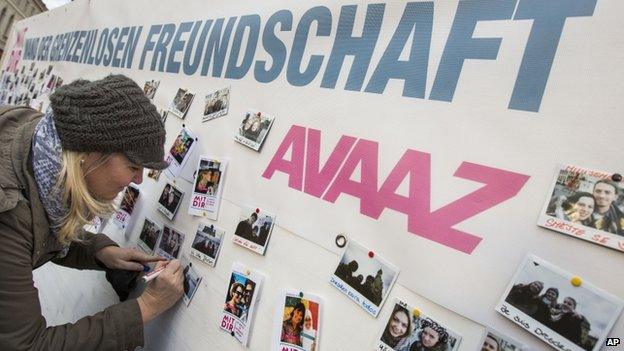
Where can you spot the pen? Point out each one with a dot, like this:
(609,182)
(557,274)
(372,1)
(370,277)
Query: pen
(153,274)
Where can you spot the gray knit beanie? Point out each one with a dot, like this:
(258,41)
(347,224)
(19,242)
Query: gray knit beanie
(109,115)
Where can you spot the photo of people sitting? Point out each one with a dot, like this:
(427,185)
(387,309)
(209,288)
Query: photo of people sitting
(240,296)
(299,323)
(206,241)
(208,177)
(182,102)
(589,201)
(493,342)
(217,101)
(408,332)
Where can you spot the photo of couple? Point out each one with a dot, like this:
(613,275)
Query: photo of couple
(240,296)
(587,202)
(299,323)
(407,332)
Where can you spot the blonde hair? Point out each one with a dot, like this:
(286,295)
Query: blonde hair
(82,206)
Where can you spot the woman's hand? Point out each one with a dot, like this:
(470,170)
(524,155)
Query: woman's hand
(163,291)
(122,258)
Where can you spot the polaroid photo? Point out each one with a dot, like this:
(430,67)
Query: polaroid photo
(170,243)
(254,129)
(154,174)
(128,201)
(366,279)
(191,282)
(408,329)
(180,152)
(243,293)
(297,322)
(495,341)
(208,187)
(586,204)
(170,200)
(541,299)
(149,236)
(254,229)
(181,103)
(207,243)
(217,104)
(150,88)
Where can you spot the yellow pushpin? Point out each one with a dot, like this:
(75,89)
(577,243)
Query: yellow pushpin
(576,281)
(416,312)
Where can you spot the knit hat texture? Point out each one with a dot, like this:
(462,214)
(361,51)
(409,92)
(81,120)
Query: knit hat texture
(109,115)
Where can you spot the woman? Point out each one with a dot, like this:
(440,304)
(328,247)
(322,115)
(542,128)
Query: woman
(308,334)
(57,173)
(545,303)
(398,328)
(578,208)
(236,293)
(432,337)
(292,327)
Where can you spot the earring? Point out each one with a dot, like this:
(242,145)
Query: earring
(82,162)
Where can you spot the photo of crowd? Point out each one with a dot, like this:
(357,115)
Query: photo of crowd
(170,243)
(253,129)
(207,241)
(170,200)
(369,276)
(581,315)
(181,146)
(181,102)
(150,88)
(150,233)
(299,323)
(588,200)
(255,226)
(191,282)
(216,104)
(208,177)
(240,296)
(406,331)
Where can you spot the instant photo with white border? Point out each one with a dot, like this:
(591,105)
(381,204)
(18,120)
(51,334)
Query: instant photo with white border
(254,233)
(208,187)
(292,334)
(178,107)
(253,129)
(169,200)
(149,236)
(150,87)
(409,323)
(180,152)
(595,308)
(192,280)
(499,341)
(128,203)
(377,277)
(170,243)
(237,316)
(216,104)
(207,243)
(572,206)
